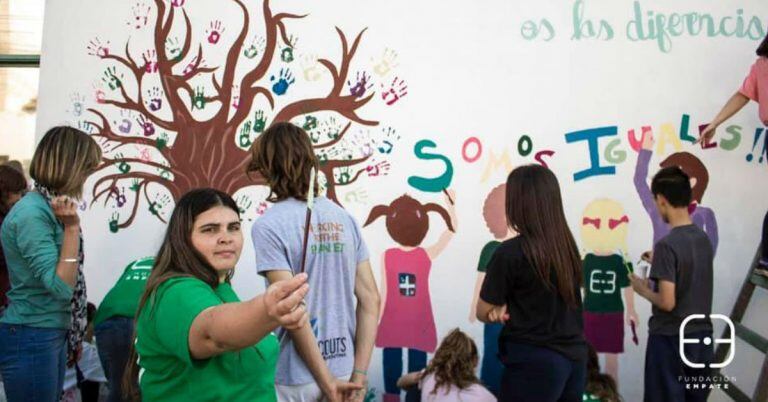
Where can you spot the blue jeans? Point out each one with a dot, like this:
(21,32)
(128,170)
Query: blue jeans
(491,368)
(113,340)
(537,374)
(393,369)
(32,361)
(665,370)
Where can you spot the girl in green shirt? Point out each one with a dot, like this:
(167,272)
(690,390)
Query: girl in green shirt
(195,340)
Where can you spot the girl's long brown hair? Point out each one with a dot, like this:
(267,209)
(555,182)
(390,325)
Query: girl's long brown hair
(535,210)
(600,385)
(177,258)
(454,362)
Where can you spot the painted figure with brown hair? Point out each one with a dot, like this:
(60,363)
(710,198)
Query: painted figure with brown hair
(532,286)
(493,214)
(43,327)
(406,316)
(450,375)
(702,216)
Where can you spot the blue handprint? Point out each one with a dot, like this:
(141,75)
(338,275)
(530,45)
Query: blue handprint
(285,80)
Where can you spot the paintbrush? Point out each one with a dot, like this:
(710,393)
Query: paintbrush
(310,204)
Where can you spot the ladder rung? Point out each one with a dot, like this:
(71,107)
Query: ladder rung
(736,394)
(759,280)
(751,337)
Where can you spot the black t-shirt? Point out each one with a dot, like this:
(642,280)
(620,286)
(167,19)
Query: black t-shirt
(684,257)
(537,314)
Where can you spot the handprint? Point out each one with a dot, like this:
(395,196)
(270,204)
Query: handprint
(358,195)
(344,176)
(146,125)
(190,68)
(314,137)
(119,196)
(165,173)
(122,165)
(283,82)
(110,78)
(386,63)
(85,126)
(150,61)
(77,103)
(361,85)
(257,45)
(262,208)
(125,124)
(173,49)
(97,48)
(244,203)
(331,128)
(286,54)
(113,226)
(145,155)
(135,185)
(140,15)
(161,142)
(245,135)
(259,122)
(198,102)
(158,204)
(396,90)
(178,3)
(390,136)
(214,32)
(381,168)
(311,68)
(155,99)
(310,123)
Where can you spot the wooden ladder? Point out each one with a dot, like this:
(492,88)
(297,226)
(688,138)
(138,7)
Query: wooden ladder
(747,335)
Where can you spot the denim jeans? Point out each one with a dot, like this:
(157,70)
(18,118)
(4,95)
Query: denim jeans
(113,341)
(32,361)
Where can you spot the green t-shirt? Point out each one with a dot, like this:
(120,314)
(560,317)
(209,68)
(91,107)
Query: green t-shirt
(123,299)
(604,277)
(168,372)
(486,254)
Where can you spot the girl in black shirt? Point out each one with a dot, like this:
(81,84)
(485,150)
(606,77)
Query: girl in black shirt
(532,285)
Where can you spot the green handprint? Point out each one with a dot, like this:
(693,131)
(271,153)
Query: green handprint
(244,202)
(158,204)
(259,122)
(198,102)
(162,141)
(323,158)
(110,78)
(135,185)
(245,135)
(310,123)
(173,48)
(113,226)
(344,176)
(315,137)
(287,55)
(123,166)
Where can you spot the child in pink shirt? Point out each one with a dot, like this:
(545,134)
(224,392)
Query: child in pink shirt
(450,376)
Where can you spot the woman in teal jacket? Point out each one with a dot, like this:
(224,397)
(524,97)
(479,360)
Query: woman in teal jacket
(43,250)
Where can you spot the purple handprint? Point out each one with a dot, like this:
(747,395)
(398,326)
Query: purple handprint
(283,82)
(361,85)
(155,101)
(140,15)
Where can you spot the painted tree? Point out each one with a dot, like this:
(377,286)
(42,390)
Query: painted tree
(187,152)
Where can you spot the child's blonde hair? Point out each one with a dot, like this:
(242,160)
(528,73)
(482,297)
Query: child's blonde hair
(454,362)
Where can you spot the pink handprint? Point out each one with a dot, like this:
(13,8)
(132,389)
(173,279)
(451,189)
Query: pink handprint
(191,66)
(381,168)
(178,3)
(140,16)
(146,125)
(96,48)
(236,96)
(397,89)
(214,32)
(361,85)
(150,61)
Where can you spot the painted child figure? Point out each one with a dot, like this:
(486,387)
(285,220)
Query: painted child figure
(406,317)
(604,235)
(496,221)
